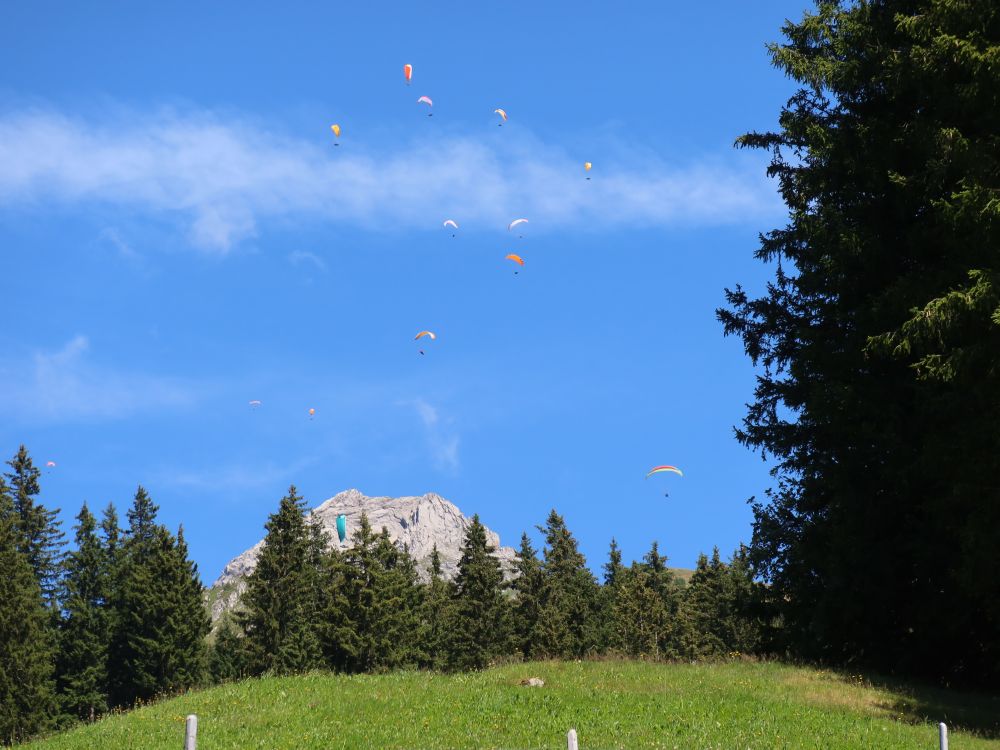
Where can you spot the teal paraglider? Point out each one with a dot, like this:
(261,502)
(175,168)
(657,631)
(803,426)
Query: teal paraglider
(342,527)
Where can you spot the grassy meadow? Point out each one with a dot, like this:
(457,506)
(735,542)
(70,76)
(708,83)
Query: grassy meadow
(612,704)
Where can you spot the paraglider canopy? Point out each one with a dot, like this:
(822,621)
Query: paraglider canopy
(312,412)
(661,469)
(408,73)
(420,335)
(341,527)
(450,223)
(336,129)
(587,165)
(515,223)
(255,403)
(426,100)
(50,464)
(503,115)
(516,258)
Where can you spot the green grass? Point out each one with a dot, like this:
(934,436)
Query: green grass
(612,704)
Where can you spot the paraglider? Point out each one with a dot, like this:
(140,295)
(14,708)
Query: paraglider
(254,404)
(50,464)
(503,116)
(420,335)
(517,259)
(586,167)
(450,223)
(312,412)
(515,223)
(661,469)
(426,100)
(341,527)
(408,73)
(336,133)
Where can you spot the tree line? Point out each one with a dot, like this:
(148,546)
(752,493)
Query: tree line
(367,608)
(117,620)
(121,618)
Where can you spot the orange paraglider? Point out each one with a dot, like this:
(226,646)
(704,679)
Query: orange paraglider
(408,73)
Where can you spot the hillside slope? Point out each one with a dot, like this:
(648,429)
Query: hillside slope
(612,704)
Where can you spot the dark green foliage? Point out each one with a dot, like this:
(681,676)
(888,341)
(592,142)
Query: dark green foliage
(879,339)
(84,633)
(159,622)
(27,701)
(37,526)
(613,567)
(372,619)
(227,655)
(281,603)
(435,615)
(641,617)
(527,587)
(480,627)
(567,624)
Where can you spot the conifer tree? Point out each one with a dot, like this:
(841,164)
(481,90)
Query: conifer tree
(26,649)
(372,620)
(613,570)
(38,527)
(567,624)
(226,659)
(479,624)
(613,567)
(878,339)
(82,675)
(641,617)
(434,614)
(705,607)
(281,601)
(160,623)
(527,587)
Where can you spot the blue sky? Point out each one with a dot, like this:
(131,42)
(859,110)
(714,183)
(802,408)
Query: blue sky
(180,236)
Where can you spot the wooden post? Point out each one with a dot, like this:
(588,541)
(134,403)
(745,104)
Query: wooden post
(571,740)
(190,732)
(943,735)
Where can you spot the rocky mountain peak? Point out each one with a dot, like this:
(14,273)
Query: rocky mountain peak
(417,522)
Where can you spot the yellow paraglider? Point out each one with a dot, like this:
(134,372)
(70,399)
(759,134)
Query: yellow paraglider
(586,167)
(336,132)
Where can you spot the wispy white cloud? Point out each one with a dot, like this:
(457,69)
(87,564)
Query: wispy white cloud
(298,257)
(64,385)
(233,477)
(223,177)
(442,439)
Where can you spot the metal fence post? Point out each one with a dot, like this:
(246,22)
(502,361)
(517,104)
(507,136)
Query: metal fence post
(571,740)
(190,732)
(943,735)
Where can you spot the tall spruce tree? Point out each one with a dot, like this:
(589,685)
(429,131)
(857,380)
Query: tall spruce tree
(641,618)
(281,602)
(568,624)
(527,587)
(372,619)
(879,339)
(160,624)
(27,703)
(434,614)
(82,673)
(480,623)
(38,526)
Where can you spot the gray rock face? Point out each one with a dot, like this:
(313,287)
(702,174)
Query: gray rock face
(417,522)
